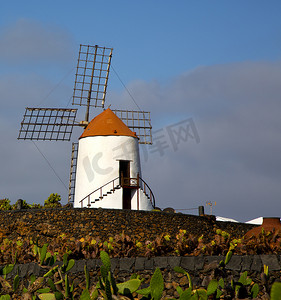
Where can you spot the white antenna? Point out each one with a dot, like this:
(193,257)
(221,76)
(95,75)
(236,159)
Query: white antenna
(211,206)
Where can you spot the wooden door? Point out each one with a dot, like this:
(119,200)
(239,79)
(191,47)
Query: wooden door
(124,174)
(126,198)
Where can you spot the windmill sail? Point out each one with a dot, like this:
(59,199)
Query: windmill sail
(139,122)
(92,76)
(52,124)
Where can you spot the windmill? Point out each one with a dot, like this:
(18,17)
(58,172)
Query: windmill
(93,183)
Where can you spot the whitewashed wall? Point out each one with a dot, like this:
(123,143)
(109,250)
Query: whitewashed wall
(98,163)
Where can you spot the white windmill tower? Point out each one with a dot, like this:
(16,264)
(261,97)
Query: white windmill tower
(105,166)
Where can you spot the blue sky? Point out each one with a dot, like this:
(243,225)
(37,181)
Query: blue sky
(217,62)
(161,39)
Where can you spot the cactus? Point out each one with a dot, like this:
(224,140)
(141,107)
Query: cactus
(67,264)
(182,271)
(113,284)
(157,285)
(107,286)
(244,279)
(87,277)
(85,295)
(70,265)
(16,282)
(275,291)
(212,287)
(52,285)
(105,260)
(129,286)
(108,292)
(255,290)
(47,296)
(42,253)
(199,294)
(184,294)
(5,286)
(66,284)
(228,257)
(45,257)
(63,282)
(5,297)
(51,272)
(7,269)
(240,287)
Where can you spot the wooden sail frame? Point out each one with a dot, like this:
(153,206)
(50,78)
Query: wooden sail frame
(52,124)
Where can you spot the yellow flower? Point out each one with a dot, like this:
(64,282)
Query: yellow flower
(225,234)
(167,237)
(218,231)
(82,240)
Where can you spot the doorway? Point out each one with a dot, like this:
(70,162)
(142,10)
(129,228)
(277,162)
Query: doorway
(126,198)
(124,172)
(124,175)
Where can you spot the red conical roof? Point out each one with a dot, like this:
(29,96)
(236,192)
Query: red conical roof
(107,123)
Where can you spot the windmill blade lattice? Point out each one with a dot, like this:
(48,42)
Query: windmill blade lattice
(139,122)
(92,76)
(52,124)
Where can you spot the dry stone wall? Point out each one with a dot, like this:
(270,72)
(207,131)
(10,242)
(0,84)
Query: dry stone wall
(202,269)
(142,225)
(194,265)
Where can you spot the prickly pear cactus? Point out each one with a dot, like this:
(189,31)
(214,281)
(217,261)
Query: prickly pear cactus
(157,285)
(105,260)
(129,286)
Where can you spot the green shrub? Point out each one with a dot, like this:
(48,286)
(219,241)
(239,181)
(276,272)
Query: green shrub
(24,204)
(35,206)
(5,204)
(53,201)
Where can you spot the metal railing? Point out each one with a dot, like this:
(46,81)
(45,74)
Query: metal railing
(101,191)
(131,182)
(150,195)
(124,182)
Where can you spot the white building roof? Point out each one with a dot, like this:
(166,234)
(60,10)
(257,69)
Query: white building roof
(256,221)
(223,219)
